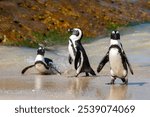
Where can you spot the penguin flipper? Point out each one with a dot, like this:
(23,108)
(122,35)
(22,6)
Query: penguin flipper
(131,70)
(47,61)
(70,59)
(103,62)
(127,61)
(26,68)
(77,59)
(50,64)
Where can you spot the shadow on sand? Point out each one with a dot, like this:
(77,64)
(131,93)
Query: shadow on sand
(137,83)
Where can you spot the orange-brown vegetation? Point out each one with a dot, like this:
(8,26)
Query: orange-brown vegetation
(20,18)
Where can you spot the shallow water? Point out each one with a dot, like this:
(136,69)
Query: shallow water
(31,85)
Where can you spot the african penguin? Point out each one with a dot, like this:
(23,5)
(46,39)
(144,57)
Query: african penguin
(77,54)
(117,59)
(42,64)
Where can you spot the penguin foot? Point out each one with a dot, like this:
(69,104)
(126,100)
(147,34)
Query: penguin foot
(77,75)
(112,82)
(86,74)
(71,76)
(125,81)
(92,72)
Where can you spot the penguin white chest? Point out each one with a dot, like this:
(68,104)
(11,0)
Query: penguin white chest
(71,50)
(41,68)
(116,64)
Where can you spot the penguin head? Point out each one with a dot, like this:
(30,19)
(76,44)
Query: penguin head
(115,35)
(41,51)
(77,32)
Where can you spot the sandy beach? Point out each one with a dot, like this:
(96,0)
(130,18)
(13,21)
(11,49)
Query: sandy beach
(32,85)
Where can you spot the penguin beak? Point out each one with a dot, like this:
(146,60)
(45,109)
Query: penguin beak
(115,36)
(70,30)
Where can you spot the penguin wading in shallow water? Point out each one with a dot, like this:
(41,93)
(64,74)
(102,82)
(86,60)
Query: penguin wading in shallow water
(117,59)
(43,65)
(77,54)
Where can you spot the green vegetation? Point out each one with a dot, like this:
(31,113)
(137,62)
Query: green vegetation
(113,26)
(49,39)
(52,37)
(24,42)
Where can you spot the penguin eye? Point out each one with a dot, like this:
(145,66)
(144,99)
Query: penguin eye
(70,30)
(113,32)
(76,32)
(117,32)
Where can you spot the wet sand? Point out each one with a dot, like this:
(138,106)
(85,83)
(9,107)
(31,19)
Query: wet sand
(31,85)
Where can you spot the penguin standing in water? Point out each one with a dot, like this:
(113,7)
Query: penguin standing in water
(117,59)
(43,65)
(77,54)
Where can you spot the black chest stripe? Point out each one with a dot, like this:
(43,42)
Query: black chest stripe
(74,51)
(116,46)
(40,62)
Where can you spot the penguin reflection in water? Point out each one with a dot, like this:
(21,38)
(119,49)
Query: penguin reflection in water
(77,54)
(117,59)
(43,65)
